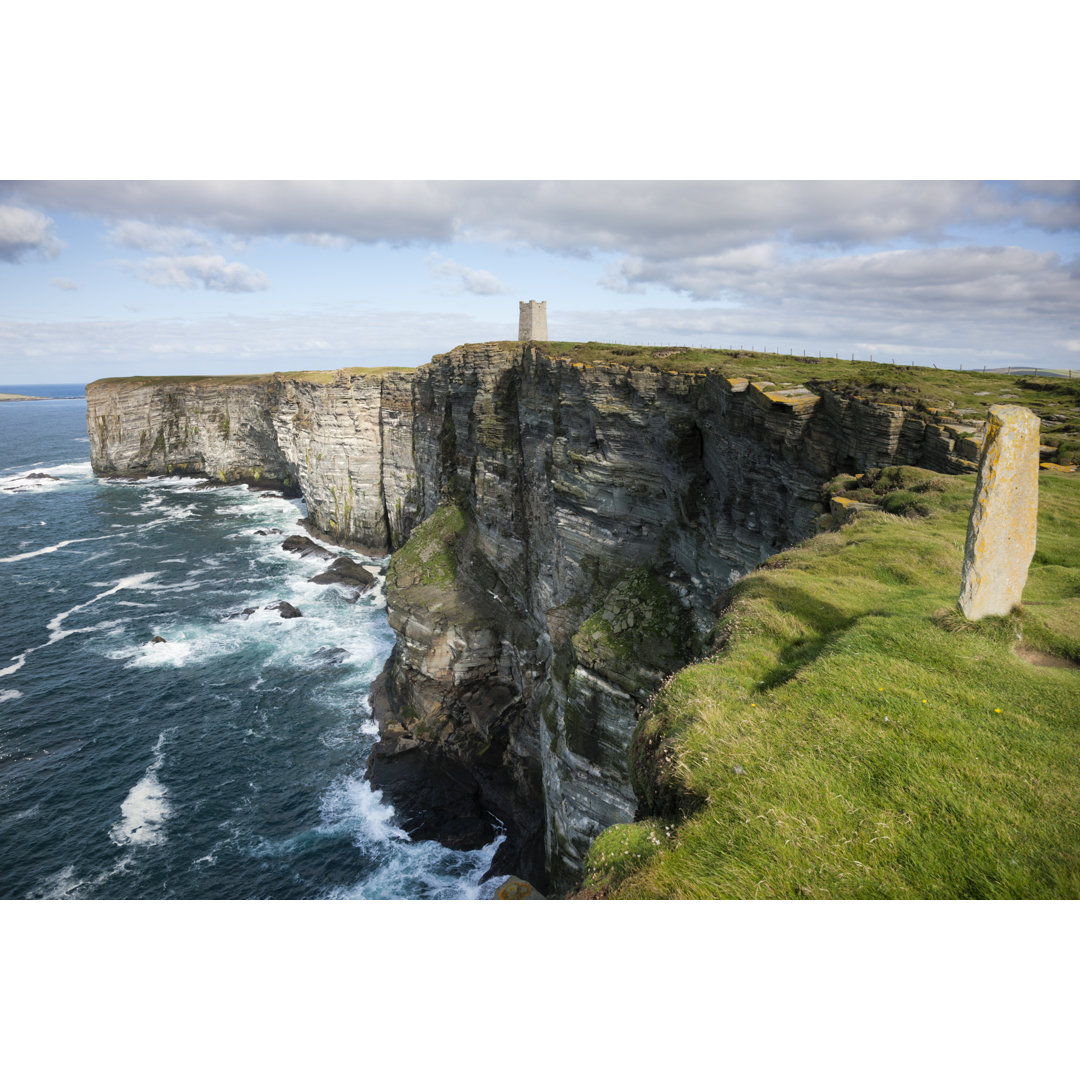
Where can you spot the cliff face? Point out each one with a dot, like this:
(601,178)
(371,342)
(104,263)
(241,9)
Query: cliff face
(562,537)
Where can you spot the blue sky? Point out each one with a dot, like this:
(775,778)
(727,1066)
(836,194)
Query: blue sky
(101,278)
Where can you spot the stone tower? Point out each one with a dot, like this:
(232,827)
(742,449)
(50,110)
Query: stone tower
(532,320)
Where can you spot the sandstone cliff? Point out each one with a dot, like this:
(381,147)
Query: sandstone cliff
(563,534)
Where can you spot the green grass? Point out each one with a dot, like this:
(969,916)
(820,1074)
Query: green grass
(318,377)
(855,737)
(173,380)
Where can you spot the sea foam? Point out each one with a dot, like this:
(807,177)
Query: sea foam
(146,808)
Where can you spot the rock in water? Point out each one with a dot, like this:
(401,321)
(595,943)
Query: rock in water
(305,547)
(285,610)
(1001,530)
(330,655)
(344,571)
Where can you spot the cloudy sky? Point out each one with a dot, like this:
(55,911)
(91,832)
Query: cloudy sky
(109,278)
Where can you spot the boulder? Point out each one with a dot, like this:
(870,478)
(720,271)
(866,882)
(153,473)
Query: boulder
(285,610)
(345,571)
(305,547)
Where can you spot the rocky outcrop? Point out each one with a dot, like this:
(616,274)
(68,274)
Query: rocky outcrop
(562,536)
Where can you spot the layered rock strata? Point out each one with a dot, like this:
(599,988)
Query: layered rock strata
(562,536)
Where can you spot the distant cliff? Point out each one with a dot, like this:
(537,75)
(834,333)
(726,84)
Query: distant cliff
(563,532)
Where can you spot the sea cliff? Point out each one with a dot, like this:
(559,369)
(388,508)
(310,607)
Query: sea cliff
(564,523)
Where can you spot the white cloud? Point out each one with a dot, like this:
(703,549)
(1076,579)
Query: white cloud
(969,281)
(210,271)
(161,239)
(26,233)
(649,219)
(64,283)
(479,282)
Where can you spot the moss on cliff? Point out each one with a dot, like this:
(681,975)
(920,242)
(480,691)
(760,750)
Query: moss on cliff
(429,557)
(640,624)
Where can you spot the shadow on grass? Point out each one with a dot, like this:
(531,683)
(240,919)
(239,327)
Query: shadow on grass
(824,622)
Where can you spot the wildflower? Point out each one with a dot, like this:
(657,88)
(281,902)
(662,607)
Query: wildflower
(924,701)
(997,710)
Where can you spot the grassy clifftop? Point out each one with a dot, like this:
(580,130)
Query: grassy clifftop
(962,394)
(318,377)
(852,736)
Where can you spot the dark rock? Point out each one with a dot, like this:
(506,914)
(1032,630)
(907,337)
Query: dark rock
(242,614)
(345,571)
(305,547)
(40,476)
(331,656)
(267,532)
(285,609)
(463,801)
(158,640)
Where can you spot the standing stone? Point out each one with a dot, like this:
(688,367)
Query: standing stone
(532,320)
(1001,530)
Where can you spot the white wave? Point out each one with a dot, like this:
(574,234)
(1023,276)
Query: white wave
(19,661)
(50,549)
(65,885)
(9,695)
(55,476)
(146,808)
(428,870)
(26,483)
(61,885)
(73,468)
(353,806)
(133,581)
(155,654)
(166,481)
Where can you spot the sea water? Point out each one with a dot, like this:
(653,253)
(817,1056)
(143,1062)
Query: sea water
(226,762)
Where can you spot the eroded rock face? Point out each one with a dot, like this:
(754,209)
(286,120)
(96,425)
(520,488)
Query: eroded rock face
(561,535)
(1001,530)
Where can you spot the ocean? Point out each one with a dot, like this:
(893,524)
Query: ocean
(226,762)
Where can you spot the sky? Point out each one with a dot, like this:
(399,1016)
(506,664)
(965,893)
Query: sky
(106,278)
